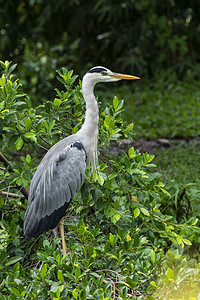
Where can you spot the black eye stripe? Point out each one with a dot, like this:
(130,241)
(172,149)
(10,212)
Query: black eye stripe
(97,70)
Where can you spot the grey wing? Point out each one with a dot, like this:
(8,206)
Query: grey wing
(57,179)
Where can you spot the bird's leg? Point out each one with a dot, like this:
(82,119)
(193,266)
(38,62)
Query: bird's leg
(55,232)
(61,227)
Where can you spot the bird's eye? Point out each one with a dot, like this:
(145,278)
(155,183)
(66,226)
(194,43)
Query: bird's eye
(103,73)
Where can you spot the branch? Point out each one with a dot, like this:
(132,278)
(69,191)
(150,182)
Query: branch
(12,195)
(5,161)
(7,164)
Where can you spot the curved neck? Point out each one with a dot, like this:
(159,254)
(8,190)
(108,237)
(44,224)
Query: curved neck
(89,130)
(92,109)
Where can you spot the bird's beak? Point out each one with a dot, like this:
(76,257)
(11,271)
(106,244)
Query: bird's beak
(124,76)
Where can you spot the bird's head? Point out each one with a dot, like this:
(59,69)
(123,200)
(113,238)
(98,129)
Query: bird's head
(102,74)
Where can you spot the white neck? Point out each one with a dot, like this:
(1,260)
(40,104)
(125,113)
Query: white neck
(89,130)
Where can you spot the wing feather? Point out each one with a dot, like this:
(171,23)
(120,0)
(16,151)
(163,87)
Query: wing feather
(55,183)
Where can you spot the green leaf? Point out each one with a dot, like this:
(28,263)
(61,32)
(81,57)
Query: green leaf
(187,242)
(136,240)
(100,179)
(107,121)
(15,291)
(121,104)
(60,276)
(31,135)
(12,68)
(57,102)
(2,64)
(179,240)
(51,125)
(75,294)
(136,212)
(109,212)
(112,239)
(56,286)
(1,204)
(130,282)
(129,127)
(131,152)
(145,211)
(170,274)
(77,272)
(28,159)
(2,83)
(153,256)
(19,143)
(153,284)
(194,222)
(117,216)
(128,238)
(150,158)
(12,260)
(44,271)
(7,64)
(28,123)
(115,103)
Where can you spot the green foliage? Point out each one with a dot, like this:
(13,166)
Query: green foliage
(142,37)
(178,278)
(118,231)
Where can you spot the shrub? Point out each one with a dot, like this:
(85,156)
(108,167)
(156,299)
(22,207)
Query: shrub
(117,234)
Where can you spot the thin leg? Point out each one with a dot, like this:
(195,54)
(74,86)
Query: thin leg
(56,234)
(61,227)
(55,231)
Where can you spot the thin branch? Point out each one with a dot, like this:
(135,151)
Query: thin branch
(42,147)
(7,164)
(23,190)
(12,195)
(5,161)
(45,142)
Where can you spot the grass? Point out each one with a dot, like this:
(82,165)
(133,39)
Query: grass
(180,162)
(171,109)
(180,167)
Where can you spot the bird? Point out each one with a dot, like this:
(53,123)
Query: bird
(61,172)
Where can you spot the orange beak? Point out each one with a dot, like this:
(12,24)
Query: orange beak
(124,76)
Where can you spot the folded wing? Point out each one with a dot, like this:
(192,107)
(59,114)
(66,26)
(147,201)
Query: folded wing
(55,183)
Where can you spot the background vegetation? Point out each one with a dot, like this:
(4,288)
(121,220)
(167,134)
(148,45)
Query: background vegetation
(140,37)
(133,230)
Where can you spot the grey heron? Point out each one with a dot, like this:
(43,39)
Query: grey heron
(62,170)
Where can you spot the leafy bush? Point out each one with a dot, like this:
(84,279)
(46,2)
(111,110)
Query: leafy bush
(117,230)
